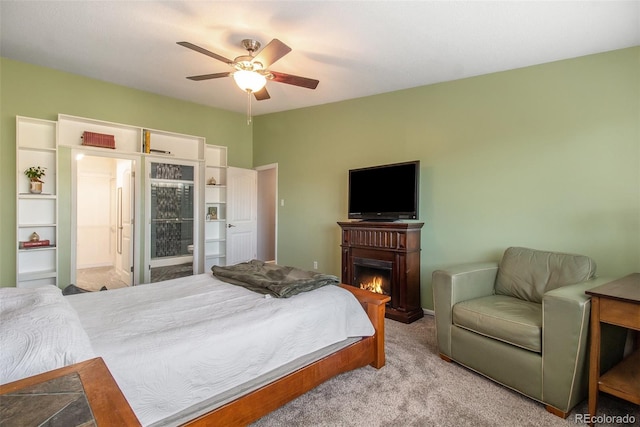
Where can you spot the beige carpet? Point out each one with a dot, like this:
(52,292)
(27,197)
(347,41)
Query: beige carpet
(417,388)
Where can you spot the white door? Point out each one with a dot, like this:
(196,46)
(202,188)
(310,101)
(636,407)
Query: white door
(242,214)
(124,243)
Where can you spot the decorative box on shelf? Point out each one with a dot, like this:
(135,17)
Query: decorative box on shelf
(98,140)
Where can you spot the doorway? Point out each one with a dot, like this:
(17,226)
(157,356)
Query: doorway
(252,214)
(172,223)
(267,212)
(104,211)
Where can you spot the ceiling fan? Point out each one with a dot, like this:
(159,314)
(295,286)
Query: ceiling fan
(251,72)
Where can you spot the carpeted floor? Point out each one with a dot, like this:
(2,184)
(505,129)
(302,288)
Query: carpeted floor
(417,388)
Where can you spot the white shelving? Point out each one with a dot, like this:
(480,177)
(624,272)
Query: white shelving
(215,211)
(130,139)
(36,213)
(163,148)
(37,143)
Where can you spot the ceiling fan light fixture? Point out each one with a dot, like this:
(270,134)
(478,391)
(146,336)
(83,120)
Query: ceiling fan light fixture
(249,81)
(252,72)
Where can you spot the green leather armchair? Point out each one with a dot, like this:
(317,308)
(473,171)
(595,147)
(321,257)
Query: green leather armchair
(522,322)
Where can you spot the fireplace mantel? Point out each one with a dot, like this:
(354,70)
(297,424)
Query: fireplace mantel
(395,242)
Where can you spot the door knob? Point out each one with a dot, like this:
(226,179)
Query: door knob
(230,225)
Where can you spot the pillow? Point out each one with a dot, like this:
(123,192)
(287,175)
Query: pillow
(40,332)
(528,273)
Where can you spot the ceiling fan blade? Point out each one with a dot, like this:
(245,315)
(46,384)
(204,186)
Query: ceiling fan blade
(209,76)
(272,52)
(262,94)
(294,80)
(205,52)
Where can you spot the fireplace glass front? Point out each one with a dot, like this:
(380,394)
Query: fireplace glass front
(373,275)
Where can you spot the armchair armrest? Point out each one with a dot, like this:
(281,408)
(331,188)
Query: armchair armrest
(455,284)
(565,326)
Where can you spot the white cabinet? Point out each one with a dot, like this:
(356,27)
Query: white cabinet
(215,205)
(36,213)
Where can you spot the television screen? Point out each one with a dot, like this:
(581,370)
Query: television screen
(386,192)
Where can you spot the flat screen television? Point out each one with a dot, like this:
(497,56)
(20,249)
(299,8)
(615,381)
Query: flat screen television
(385,193)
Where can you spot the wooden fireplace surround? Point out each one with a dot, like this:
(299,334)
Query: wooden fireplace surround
(396,242)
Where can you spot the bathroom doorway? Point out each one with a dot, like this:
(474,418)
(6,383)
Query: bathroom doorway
(173,205)
(104,210)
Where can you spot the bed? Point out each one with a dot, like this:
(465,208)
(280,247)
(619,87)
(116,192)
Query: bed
(197,350)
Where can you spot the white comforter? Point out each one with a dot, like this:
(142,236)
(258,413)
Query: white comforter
(175,343)
(39,332)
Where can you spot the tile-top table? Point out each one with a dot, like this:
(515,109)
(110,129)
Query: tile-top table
(84,394)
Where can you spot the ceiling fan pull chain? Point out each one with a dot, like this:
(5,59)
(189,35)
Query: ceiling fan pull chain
(248,107)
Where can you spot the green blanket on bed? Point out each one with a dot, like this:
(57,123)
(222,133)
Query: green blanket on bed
(276,280)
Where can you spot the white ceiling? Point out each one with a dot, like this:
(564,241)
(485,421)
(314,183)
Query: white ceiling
(355,48)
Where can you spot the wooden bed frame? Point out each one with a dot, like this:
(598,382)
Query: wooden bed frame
(367,351)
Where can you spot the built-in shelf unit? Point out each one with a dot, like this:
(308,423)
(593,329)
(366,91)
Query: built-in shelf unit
(36,213)
(215,201)
(152,147)
(38,143)
(130,139)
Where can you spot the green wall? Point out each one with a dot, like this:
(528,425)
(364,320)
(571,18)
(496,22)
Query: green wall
(32,91)
(545,157)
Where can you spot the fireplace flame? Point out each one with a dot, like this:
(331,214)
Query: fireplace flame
(375,285)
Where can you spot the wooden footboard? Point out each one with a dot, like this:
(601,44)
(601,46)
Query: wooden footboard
(367,351)
(374,305)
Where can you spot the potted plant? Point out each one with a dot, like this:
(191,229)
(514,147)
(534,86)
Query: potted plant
(34,173)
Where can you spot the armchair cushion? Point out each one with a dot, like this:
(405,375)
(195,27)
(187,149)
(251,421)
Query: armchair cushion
(527,273)
(503,318)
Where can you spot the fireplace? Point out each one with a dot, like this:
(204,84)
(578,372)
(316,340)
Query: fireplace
(372,275)
(384,257)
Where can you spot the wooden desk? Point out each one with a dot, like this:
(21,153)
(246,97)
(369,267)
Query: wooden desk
(617,303)
(82,394)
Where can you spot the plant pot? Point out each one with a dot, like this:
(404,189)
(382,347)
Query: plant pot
(35,187)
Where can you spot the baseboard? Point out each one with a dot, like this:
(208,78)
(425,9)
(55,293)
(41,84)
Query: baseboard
(97,265)
(428,312)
